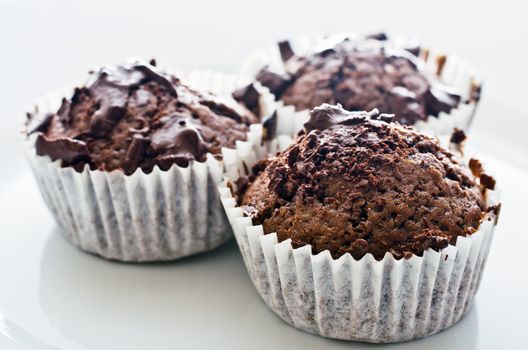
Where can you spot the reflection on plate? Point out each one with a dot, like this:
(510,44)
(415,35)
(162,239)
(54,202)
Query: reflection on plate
(95,302)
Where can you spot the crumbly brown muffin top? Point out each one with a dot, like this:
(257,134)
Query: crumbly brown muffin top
(134,116)
(361,75)
(355,182)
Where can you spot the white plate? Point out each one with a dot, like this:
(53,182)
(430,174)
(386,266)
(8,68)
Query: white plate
(53,296)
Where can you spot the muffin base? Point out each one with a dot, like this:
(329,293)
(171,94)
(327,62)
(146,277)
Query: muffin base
(363,300)
(454,72)
(163,215)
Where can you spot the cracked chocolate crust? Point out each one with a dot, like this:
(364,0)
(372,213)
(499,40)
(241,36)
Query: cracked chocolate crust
(133,116)
(357,183)
(361,75)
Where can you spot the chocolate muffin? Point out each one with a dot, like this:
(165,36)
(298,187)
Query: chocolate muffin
(358,183)
(129,163)
(367,73)
(135,116)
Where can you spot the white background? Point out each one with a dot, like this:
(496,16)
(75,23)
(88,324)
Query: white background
(45,45)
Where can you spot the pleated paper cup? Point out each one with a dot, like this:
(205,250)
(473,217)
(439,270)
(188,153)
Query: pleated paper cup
(449,69)
(163,215)
(363,300)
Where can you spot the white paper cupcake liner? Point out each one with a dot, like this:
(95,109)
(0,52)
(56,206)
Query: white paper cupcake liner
(454,73)
(163,215)
(363,300)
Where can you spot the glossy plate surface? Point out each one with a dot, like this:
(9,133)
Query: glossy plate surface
(54,296)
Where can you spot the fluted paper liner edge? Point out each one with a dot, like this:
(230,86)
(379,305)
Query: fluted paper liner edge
(163,215)
(363,300)
(454,72)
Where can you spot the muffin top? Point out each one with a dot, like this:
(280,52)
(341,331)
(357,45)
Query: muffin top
(134,116)
(355,182)
(361,75)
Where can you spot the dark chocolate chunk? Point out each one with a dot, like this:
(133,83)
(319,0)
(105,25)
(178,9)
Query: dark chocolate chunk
(327,52)
(378,36)
(226,108)
(180,138)
(249,96)
(440,100)
(275,82)
(286,50)
(167,161)
(329,116)
(67,149)
(415,50)
(136,150)
(105,118)
(487,181)
(241,184)
(458,136)
(153,75)
(259,166)
(270,125)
